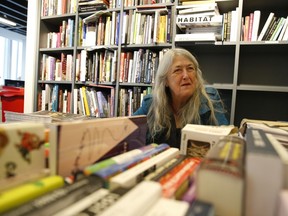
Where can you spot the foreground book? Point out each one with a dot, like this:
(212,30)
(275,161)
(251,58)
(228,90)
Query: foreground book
(136,174)
(78,144)
(264,175)
(220,178)
(22,153)
(26,192)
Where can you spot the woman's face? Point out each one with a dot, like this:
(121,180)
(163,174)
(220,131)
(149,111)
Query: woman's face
(182,79)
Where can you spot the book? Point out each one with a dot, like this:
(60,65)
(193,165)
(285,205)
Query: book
(22,153)
(224,165)
(118,159)
(265,27)
(21,194)
(283,154)
(255,26)
(168,207)
(283,203)
(150,193)
(261,189)
(176,182)
(132,176)
(73,146)
(196,140)
(165,168)
(103,202)
(45,116)
(200,208)
(83,203)
(59,198)
(209,36)
(108,172)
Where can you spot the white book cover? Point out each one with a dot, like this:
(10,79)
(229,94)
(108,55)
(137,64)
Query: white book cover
(136,201)
(255,27)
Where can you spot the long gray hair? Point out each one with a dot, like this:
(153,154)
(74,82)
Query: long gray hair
(159,115)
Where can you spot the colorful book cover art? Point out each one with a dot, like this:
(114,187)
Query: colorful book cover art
(22,152)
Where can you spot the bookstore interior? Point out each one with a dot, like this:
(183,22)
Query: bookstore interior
(83,150)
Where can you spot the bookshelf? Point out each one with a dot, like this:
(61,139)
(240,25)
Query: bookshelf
(243,71)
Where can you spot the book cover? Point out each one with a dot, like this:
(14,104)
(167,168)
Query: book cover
(175,182)
(22,156)
(261,189)
(224,165)
(136,174)
(102,203)
(78,144)
(196,140)
(109,172)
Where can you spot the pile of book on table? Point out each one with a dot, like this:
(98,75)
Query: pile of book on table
(233,173)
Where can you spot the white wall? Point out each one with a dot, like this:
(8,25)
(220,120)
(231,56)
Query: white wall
(31,54)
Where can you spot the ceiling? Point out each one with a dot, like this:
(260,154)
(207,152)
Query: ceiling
(16,11)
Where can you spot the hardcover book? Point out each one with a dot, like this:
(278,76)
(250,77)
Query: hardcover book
(220,177)
(22,153)
(75,145)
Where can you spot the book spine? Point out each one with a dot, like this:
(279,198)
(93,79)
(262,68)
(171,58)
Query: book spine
(173,180)
(84,203)
(119,159)
(150,193)
(24,193)
(108,172)
(132,176)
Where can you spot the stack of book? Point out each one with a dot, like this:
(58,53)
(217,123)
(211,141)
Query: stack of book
(199,21)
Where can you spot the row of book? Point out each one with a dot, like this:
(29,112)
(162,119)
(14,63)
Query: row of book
(64,37)
(100,28)
(238,173)
(58,7)
(274,28)
(131,99)
(97,66)
(139,66)
(56,69)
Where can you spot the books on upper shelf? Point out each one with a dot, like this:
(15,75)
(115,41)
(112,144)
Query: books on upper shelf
(220,178)
(22,153)
(264,174)
(196,140)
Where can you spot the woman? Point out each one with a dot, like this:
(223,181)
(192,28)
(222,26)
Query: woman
(179,97)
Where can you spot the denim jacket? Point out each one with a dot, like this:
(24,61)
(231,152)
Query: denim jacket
(175,137)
